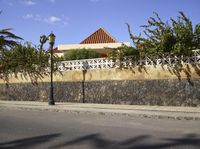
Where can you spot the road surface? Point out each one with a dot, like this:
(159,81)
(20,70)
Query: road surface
(64,130)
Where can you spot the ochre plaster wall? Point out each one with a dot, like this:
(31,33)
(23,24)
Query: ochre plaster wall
(137,73)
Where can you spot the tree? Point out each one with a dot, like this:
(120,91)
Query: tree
(43,40)
(197,36)
(185,36)
(8,39)
(26,60)
(175,37)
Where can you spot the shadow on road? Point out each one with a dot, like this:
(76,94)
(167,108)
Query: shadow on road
(97,141)
(29,142)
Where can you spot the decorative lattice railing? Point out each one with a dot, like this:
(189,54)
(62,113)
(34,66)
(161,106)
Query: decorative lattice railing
(105,63)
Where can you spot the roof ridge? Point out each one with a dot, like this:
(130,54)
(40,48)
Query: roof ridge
(95,38)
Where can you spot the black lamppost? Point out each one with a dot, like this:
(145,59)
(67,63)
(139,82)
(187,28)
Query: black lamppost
(83,84)
(51,42)
(85,67)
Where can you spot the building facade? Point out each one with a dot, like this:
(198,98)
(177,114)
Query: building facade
(100,41)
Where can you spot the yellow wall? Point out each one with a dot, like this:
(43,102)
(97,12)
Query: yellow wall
(137,73)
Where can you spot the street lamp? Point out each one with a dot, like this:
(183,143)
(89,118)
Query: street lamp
(51,42)
(85,67)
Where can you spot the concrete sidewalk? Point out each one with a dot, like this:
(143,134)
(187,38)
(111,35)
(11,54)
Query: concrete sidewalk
(179,113)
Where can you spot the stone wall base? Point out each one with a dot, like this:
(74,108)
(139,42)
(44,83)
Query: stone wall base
(166,92)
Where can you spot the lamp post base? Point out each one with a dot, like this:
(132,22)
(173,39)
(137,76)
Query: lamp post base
(51,96)
(51,102)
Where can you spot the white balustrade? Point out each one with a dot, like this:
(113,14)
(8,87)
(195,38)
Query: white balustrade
(105,63)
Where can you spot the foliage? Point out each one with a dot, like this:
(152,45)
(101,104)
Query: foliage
(184,34)
(8,39)
(24,59)
(197,36)
(175,37)
(120,53)
(43,40)
(77,54)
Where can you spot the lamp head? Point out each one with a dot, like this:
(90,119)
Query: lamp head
(52,38)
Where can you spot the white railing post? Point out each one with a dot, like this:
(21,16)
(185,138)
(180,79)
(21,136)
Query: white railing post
(157,61)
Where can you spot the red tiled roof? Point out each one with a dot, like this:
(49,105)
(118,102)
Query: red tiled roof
(100,36)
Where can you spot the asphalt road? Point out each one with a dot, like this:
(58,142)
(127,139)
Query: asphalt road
(55,130)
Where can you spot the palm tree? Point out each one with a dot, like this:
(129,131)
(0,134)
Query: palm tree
(8,39)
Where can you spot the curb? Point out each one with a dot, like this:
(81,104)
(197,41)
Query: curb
(144,113)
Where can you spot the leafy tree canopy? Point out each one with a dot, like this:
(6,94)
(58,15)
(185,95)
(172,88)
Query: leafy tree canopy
(176,36)
(24,59)
(8,39)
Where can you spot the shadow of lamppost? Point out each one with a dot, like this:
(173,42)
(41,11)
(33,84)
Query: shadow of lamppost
(85,67)
(51,42)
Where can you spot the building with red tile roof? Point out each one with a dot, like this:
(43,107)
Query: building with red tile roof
(100,41)
(100,36)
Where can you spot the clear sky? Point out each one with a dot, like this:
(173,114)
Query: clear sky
(73,20)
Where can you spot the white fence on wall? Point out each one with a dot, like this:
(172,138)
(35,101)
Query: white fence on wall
(105,63)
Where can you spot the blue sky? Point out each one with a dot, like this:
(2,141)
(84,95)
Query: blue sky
(73,20)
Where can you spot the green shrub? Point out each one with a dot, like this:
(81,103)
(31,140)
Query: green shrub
(77,54)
